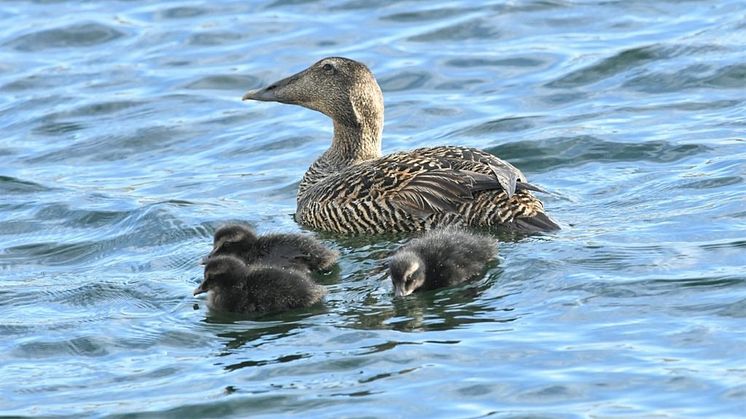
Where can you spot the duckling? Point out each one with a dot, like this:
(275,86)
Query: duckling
(294,251)
(353,189)
(236,287)
(440,258)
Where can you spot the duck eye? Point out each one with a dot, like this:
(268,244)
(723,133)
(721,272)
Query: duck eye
(327,67)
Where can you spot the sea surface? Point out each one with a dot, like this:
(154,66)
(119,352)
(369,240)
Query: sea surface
(124,144)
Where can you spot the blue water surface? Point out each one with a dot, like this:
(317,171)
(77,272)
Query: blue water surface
(124,144)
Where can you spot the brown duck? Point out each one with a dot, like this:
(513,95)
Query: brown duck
(352,189)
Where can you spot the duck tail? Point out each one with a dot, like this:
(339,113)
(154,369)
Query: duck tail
(535,224)
(519,186)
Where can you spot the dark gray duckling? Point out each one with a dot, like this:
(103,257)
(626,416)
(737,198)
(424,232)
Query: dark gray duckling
(440,258)
(294,251)
(352,188)
(239,288)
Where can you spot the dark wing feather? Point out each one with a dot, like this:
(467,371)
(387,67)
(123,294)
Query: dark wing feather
(527,186)
(534,224)
(466,158)
(441,190)
(506,178)
(432,191)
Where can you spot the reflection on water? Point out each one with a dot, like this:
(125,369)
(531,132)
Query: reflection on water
(125,144)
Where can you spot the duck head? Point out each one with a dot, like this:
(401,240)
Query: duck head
(343,89)
(407,272)
(232,239)
(222,272)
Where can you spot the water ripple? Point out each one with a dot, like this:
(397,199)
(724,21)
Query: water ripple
(572,151)
(76,35)
(125,144)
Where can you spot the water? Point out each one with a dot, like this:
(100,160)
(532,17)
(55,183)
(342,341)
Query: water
(124,144)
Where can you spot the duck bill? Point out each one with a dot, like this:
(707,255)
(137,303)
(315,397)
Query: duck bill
(400,292)
(266,94)
(275,92)
(206,259)
(200,289)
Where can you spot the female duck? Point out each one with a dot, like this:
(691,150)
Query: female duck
(351,188)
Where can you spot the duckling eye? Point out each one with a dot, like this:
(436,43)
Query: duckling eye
(327,67)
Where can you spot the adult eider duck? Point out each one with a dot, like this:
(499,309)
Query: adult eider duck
(236,287)
(351,188)
(294,251)
(440,258)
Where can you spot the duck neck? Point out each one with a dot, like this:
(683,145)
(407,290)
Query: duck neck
(352,144)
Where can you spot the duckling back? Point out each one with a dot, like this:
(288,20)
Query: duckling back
(293,251)
(269,288)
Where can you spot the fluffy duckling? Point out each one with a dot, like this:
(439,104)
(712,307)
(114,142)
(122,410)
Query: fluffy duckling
(293,251)
(236,287)
(440,258)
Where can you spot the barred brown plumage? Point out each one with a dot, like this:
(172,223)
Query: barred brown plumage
(352,189)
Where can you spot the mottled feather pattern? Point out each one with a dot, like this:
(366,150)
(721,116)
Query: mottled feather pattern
(416,190)
(319,170)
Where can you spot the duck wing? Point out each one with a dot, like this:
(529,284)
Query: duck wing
(421,184)
(511,179)
(440,190)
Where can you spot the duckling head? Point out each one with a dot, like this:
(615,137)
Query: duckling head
(343,89)
(232,239)
(407,272)
(221,272)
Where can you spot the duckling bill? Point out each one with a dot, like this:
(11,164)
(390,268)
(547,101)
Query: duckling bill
(352,188)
